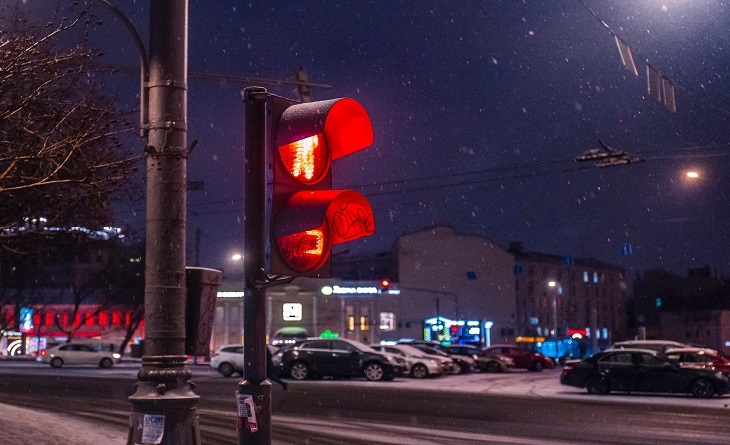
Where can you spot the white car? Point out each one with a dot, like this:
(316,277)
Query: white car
(654,345)
(228,359)
(78,354)
(421,365)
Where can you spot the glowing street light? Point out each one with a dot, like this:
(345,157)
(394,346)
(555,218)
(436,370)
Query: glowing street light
(236,257)
(555,287)
(693,174)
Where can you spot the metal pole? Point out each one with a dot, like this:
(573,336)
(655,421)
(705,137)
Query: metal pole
(594,314)
(254,391)
(555,319)
(164,404)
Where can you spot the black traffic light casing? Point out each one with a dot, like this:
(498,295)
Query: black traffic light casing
(306,217)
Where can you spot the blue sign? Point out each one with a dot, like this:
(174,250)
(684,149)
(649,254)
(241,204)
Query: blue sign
(568,260)
(625,249)
(518,269)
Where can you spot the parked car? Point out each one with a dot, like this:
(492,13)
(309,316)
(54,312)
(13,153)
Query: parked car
(228,359)
(699,357)
(402,367)
(641,370)
(420,364)
(484,361)
(654,345)
(78,354)
(523,358)
(452,364)
(335,358)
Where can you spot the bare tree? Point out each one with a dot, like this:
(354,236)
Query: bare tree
(62,157)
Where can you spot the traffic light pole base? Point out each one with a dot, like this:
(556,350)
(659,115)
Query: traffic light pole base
(253,403)
(167,418)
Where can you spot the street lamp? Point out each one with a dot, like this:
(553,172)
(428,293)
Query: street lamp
(556,288)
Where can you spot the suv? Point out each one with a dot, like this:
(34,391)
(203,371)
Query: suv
(78,354)
(523,358)
(228,359)
(335,358)
(654,345)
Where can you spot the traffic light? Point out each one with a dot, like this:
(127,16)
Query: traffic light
(384,285)
(306,216)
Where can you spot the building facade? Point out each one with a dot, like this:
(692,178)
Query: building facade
(558,299)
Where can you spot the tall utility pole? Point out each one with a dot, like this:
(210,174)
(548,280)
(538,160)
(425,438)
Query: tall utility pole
(164,404)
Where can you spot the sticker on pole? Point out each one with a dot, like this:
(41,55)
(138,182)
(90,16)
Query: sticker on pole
(246,413)
(153,429)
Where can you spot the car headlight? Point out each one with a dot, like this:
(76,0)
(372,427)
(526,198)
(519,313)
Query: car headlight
(116,356)
(720,375)
(433,362)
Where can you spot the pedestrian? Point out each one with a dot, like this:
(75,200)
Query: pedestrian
(272,372)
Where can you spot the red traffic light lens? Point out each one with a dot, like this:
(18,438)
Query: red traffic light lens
(385,283)
(307,160)
(305,251)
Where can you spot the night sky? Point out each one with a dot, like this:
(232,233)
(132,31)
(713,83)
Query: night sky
(479,109)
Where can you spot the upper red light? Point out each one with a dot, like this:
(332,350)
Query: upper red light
(307,160)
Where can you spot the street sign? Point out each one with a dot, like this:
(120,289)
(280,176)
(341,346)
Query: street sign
(195,185)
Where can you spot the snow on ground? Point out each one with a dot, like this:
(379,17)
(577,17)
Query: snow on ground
(30,427)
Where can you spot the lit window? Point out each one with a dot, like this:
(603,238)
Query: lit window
(89,319)
(387,321)
(364,325)
(103,319)
(350,323)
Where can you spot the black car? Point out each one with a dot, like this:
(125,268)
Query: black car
(335,358)
(641,370)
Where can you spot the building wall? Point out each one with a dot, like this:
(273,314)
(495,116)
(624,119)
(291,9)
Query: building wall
(302,305)
(709,328)
(455,276)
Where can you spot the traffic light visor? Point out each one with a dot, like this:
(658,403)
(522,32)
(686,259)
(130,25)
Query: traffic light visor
(342,126)
(342,215)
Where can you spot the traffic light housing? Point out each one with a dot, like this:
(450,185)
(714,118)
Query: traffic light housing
(307,217)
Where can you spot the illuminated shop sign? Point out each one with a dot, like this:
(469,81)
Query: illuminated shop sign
(345,290)
(529,339)
(292,311)
(229,294)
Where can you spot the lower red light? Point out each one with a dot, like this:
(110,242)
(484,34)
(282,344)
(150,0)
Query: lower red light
(43,352)
(305,251)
